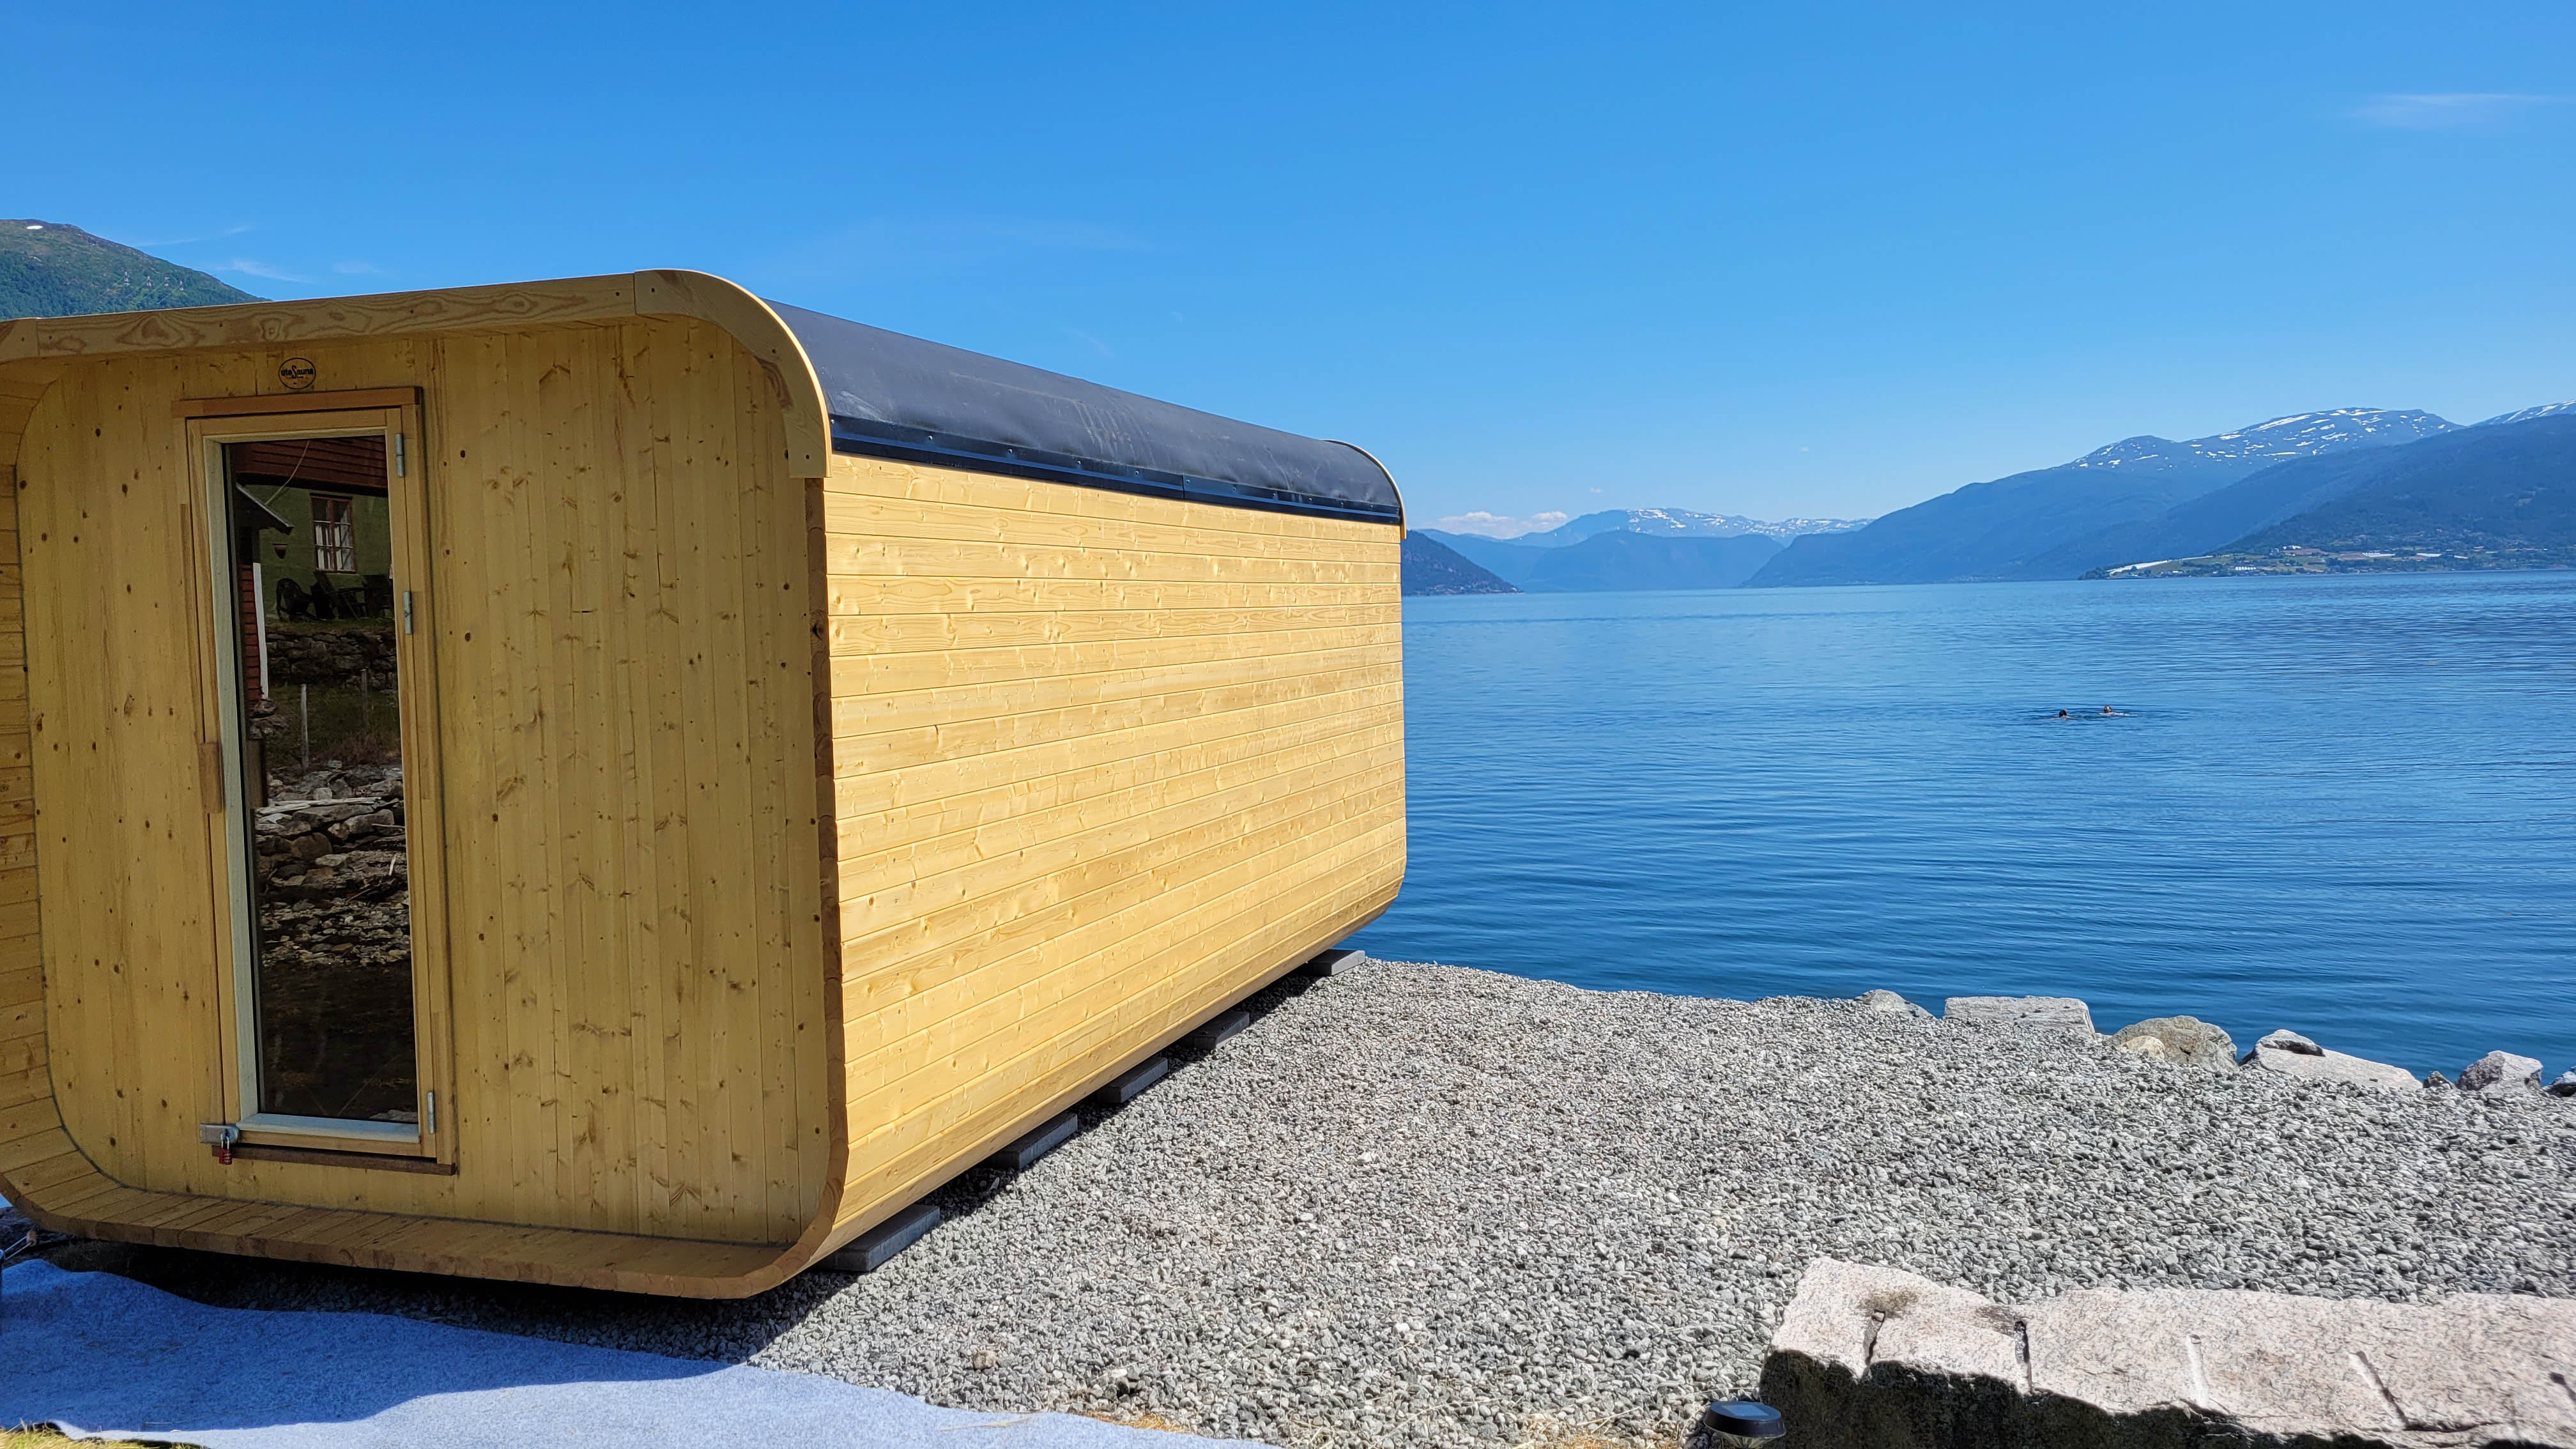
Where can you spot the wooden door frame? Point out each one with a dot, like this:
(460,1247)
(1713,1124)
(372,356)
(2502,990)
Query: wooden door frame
(209,424)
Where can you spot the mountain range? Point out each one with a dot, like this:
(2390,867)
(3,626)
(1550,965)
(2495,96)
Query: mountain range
(48,269)
(1681,523)
(2060,522)
(2363,484)
(2502,491)
(1636,548)
(1432,567)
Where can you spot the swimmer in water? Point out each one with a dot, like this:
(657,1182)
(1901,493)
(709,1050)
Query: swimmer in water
(2061,714)
(2109,713)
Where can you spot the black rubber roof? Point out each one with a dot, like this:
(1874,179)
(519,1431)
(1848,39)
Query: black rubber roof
(894,396)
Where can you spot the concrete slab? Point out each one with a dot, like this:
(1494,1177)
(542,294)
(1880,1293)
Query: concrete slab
(1022,1155)
(1226,1024)
(1871,1356)
(869,1251)
(2063,1012)
(1332,961)
(2326,1066)
(1132,1083)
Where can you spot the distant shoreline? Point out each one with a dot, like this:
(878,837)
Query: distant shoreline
(2298,562)
(2096,576)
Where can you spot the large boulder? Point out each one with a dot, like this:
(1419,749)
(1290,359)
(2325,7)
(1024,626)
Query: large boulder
(2186,1040)
(1881,999)
(1875,1356)
(2288,1054)
(2055,1013)
(2501,1072)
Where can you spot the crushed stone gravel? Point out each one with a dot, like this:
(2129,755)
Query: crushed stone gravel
(1421,1205)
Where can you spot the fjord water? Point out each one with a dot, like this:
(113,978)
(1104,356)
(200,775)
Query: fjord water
(2344,805)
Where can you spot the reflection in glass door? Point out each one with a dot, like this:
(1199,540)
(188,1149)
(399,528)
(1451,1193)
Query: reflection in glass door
(311,580)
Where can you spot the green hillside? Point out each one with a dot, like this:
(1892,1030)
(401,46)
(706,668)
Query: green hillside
(1432,568)
(2284,490)
(2506,491)
(2496,496)
(2012,528)
(48,269)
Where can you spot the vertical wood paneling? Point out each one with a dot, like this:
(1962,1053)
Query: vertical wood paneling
(113,684)
(631,562)
(30,1123)
(633,964)
(651,964)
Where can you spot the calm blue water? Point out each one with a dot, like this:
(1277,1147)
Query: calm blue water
(2342,805)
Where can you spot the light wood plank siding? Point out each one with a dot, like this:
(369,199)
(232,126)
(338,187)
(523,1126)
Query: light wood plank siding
(1101,764)
(812,824)
(623,609)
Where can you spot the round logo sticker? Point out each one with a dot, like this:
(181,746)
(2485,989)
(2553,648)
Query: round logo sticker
(297,373)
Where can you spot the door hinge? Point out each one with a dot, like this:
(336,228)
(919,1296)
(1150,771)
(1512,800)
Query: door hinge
(428,1114)
(398,455)
(220,1136)
(406,611)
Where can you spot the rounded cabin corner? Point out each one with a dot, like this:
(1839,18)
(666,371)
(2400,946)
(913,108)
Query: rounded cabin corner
(758,328)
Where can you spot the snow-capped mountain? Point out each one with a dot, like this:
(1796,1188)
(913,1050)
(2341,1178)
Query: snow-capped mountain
(1682,522)
(2527,414)
(2016,527)
(2300,435)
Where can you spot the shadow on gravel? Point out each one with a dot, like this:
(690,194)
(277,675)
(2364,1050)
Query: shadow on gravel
(970,1190)
(724,1330)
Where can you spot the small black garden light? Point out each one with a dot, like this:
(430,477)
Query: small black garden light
(1731,1422)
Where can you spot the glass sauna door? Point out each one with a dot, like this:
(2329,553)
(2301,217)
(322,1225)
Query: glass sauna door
(314,617)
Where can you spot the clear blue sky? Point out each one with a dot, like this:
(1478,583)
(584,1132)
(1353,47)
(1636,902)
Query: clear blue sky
(1771,261)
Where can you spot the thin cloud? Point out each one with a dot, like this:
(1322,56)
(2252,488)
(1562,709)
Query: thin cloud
(1499,525)
(250,268)
(189,241)
(2448,110)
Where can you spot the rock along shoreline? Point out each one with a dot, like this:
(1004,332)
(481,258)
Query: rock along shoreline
(1423,1205)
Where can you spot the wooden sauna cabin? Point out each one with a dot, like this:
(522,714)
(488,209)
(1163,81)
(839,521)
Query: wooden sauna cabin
(613,782)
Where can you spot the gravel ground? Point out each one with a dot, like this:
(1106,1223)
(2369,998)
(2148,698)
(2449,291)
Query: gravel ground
(1420,1205)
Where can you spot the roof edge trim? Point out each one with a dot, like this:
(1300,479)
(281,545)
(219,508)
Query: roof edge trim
(1391,485)
(859,437)
(765,335)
